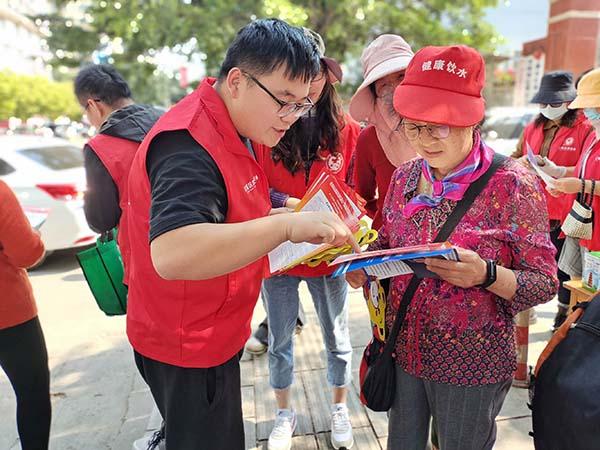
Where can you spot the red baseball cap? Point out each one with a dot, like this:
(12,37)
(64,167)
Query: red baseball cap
(443,85)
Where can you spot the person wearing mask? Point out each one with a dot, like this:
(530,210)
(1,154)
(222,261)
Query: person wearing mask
(23,354)
(557,136)
(379,149)
(122,125)
(586,175)
(200,229)
(324,139)
(455,354)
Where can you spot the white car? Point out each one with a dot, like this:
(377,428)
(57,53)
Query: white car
(504,125)
(47,175)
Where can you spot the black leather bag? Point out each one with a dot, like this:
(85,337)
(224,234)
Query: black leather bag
(378,371)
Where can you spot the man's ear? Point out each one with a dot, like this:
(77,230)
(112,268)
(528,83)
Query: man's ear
(234,82)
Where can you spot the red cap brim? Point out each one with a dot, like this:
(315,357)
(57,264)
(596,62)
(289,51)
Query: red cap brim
(432,105)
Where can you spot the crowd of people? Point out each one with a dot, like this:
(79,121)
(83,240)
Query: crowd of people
(222,169)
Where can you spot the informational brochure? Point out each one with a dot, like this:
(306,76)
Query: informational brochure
(395,261)
(327,193)
(549,180)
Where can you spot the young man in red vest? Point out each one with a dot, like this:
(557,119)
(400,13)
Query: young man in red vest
(200,227)
(122,125)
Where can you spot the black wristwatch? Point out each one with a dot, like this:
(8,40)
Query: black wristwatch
(491,274)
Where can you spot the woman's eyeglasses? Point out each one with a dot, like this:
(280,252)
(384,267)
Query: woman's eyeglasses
(413,131)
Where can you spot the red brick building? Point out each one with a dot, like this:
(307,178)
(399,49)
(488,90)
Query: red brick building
(573,35)
(572,43)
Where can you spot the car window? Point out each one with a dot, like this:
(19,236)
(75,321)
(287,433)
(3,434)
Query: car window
(56,157)
(5,168)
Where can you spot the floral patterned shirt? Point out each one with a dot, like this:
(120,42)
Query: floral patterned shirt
(466,336)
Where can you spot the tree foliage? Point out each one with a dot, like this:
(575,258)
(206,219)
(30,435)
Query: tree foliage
(143,27)
(25,96)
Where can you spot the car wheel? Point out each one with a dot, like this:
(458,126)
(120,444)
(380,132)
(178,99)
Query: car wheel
(41,261)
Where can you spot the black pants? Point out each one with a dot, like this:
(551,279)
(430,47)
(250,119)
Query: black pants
(24,358)
(563,293)
(202,408)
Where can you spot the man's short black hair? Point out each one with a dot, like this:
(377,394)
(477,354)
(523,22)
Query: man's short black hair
(101,81)
(265,45)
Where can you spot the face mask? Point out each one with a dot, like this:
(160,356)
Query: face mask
(554,113)
(591,114)
(594,118)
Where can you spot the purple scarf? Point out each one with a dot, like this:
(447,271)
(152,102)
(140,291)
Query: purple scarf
(453,185)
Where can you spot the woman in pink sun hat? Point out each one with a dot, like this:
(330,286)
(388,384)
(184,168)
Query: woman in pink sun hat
(379,150)
(455,352)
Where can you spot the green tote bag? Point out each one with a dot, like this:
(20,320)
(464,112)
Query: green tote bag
(102,267)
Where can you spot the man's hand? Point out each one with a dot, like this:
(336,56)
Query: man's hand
(292,202)
(275,211)
(319,228)
(356,279)
(468,272)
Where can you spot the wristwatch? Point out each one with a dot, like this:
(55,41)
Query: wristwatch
(491,274)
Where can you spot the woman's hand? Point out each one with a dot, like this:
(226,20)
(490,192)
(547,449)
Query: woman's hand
(469,272)
(356,279)
(569,185)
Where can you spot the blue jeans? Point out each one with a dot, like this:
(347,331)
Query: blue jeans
(331,303)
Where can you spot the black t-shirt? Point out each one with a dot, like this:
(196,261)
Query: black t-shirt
(186,184)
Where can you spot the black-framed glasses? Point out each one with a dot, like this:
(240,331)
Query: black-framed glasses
(285,108)
(413,131)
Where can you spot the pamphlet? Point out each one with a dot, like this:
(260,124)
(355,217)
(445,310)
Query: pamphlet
(549,180)
(396,261)
(327,193)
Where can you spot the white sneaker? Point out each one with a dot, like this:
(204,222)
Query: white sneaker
(341,429)
(281,435)
(156,441)
(255,347)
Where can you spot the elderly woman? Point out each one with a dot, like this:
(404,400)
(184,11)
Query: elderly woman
(379,150)
(455,353)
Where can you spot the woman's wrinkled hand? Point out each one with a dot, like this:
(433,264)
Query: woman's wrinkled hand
(468,272)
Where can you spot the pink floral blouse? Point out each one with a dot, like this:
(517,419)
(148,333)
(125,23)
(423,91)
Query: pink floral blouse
(466,336)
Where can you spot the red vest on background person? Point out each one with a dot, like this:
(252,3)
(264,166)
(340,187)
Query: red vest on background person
(195,323)
(296,186)
(565,150)
(117,155)
(592,172)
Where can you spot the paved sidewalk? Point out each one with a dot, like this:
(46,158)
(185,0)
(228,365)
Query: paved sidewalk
(101,403)
(311,394)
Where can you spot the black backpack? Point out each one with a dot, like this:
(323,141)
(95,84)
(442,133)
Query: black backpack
(565,399)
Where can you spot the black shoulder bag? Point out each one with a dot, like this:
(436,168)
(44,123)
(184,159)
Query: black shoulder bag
(378,384)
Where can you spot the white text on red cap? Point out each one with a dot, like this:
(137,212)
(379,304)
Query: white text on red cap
(439,64)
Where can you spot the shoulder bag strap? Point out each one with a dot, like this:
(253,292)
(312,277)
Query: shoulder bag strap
(457,214)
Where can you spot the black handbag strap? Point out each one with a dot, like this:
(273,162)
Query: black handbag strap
(455,217)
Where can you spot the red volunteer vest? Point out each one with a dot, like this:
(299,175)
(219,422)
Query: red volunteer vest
(565,150)
(592,172)
(295,185)
(117,155)
(195,323)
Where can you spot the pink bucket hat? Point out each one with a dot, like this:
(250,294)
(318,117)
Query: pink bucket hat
(387,54)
